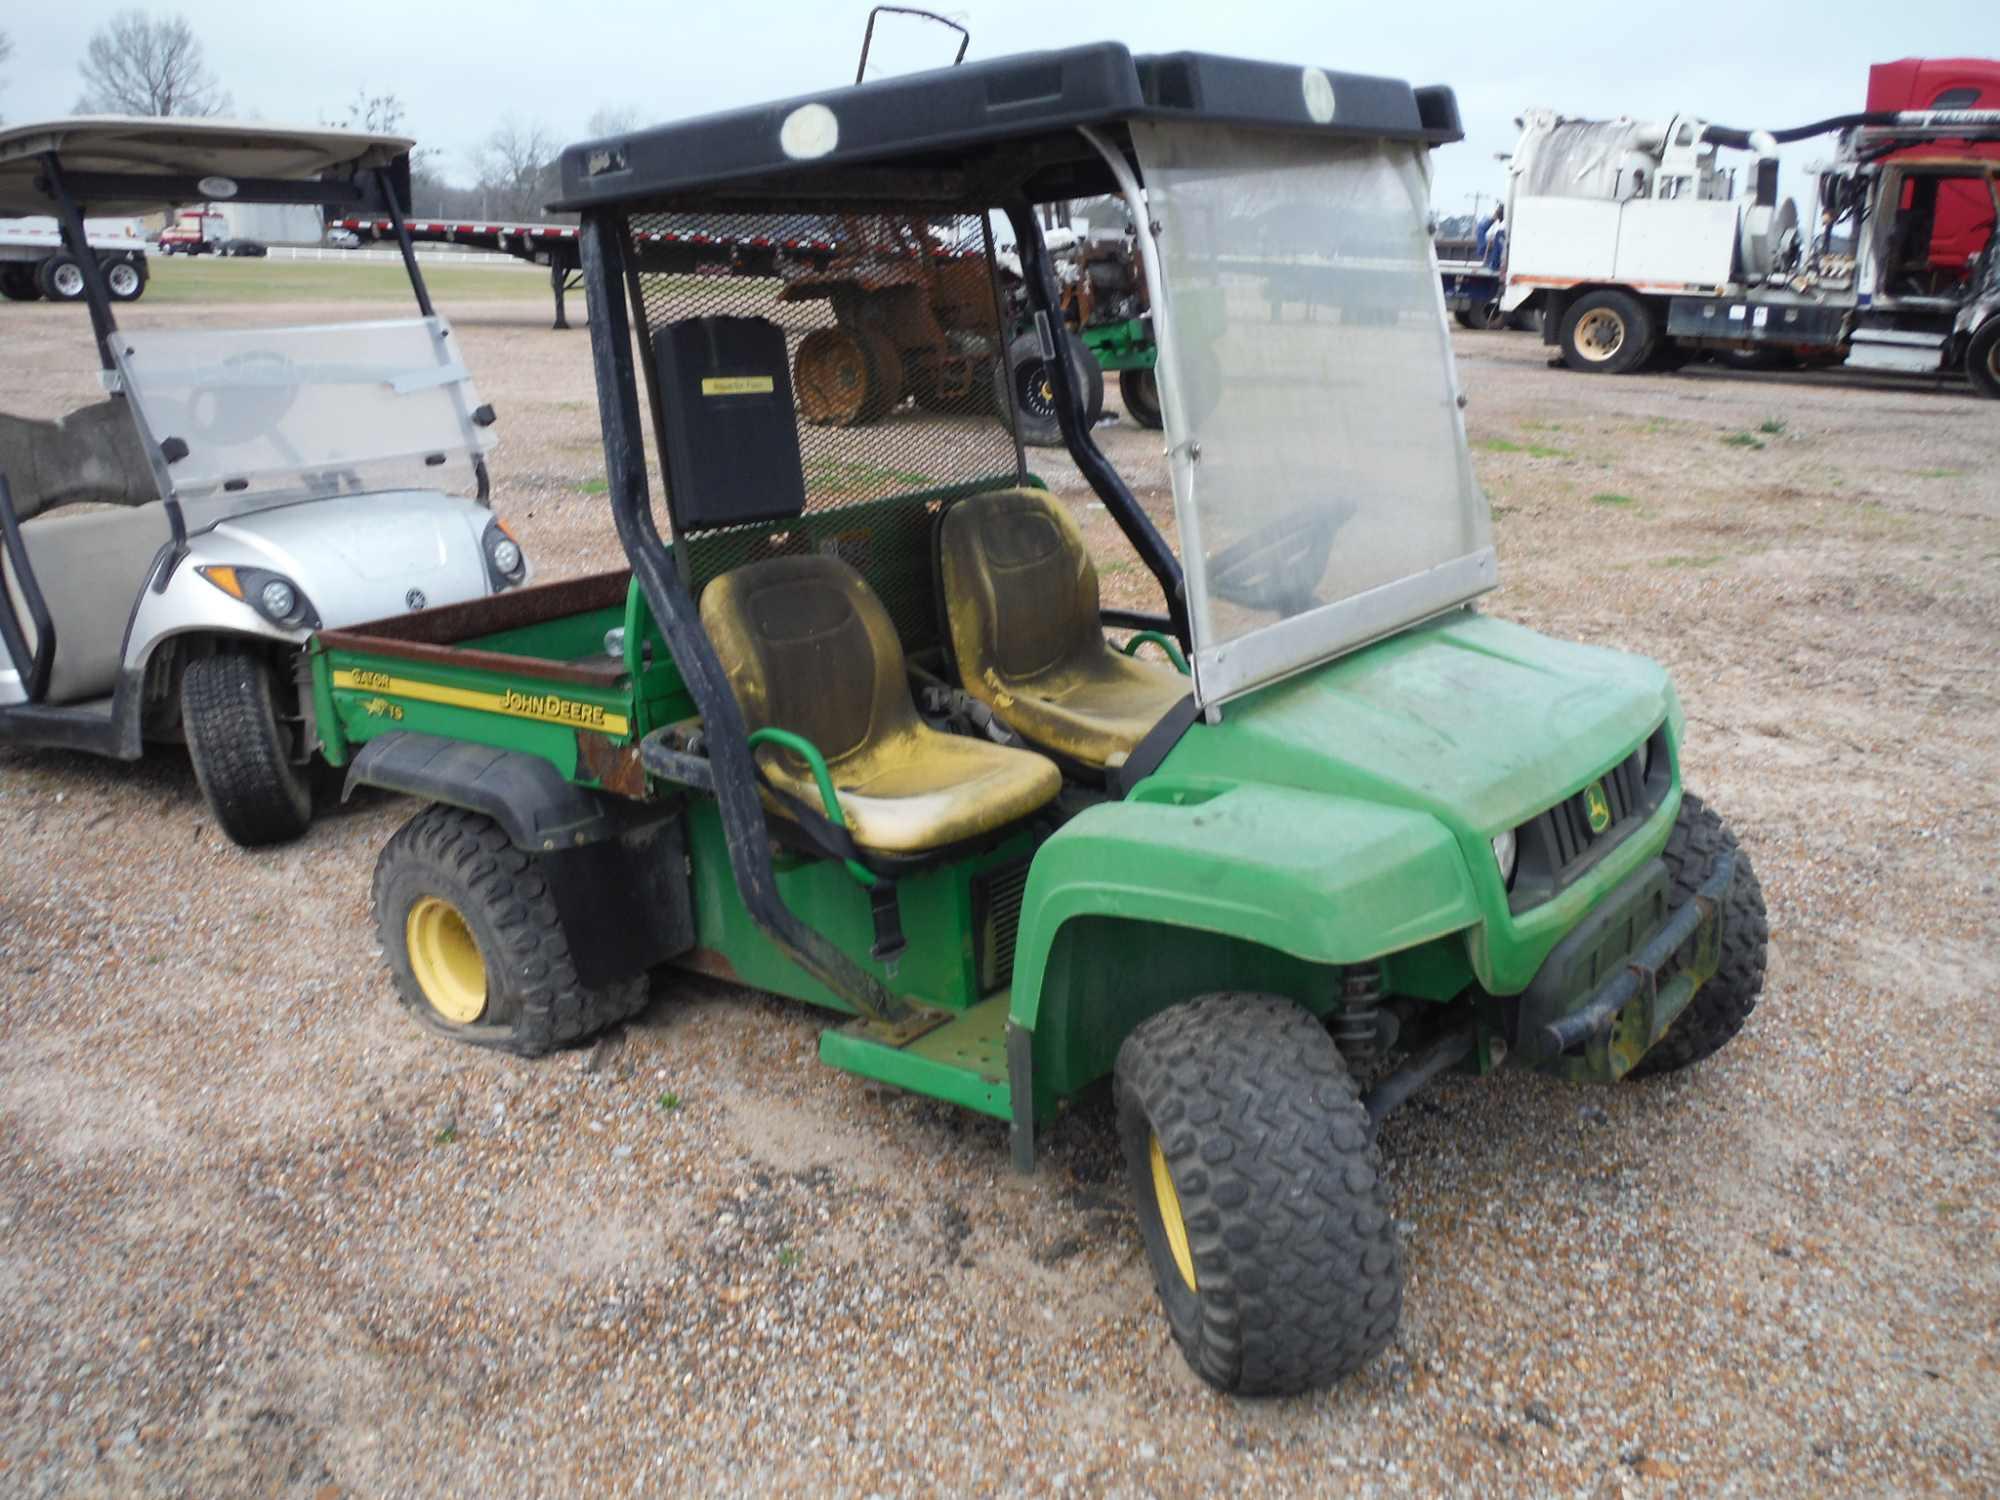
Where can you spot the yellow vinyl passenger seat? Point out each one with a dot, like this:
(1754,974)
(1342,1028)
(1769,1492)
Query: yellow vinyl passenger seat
(808,648)
(1021,592)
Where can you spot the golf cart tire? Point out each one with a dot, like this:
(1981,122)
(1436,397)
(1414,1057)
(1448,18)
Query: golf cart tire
(1298,1279)
(1041,429)
(1724,1002)
(17,284)
(1140,391)
(258,793)
(534,1001)
(1637,333)
(1982,359)
(48,277)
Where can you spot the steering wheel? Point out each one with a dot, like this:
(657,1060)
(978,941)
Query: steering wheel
(1279,566)
(260,389)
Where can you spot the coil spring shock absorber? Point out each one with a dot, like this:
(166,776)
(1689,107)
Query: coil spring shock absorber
(1357,1029)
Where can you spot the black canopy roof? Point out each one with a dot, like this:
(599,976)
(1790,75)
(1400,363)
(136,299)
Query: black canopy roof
(983,132)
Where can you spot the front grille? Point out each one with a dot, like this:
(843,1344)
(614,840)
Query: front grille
(996,922)
(1556,846)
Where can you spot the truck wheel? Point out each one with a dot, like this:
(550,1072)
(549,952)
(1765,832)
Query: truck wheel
(124,280)
(1140,391)
(1607,333)
(242,755)
(60,278)
(17,284)
(1031,414)
(1982,359)
(472,935)
(1723,1003)
(1254,1167)
(846,377)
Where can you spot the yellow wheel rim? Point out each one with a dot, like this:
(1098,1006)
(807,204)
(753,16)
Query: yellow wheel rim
(1600,333)
(1170,1215)
(445,959)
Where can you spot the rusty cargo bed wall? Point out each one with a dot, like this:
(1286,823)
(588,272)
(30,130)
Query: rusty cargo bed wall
(526,670)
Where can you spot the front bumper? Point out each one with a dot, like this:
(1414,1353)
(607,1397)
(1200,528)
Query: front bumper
(1611,989)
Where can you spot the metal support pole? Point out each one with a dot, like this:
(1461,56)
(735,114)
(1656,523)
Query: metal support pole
(76,240)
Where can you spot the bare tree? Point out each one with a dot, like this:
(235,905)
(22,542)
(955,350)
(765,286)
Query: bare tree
(612,119)
(516,169)
(6,51)
(138,64)
(378,114)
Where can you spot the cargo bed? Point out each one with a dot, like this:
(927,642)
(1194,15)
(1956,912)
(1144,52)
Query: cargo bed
(541,669)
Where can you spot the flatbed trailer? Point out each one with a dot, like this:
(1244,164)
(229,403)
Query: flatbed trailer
(555,246)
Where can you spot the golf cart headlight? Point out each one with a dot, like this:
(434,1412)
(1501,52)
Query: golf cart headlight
(505,562)
(272,595)
(1503,855)
(278,599)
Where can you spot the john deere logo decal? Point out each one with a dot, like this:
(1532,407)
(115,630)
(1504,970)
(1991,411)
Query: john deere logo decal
(1596,808)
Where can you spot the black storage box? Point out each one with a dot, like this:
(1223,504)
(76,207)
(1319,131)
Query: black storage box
(732,437)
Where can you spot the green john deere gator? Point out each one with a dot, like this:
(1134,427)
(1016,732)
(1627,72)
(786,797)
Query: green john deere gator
(862,733)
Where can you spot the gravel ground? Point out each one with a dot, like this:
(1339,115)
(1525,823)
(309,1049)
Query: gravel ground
(260,1235)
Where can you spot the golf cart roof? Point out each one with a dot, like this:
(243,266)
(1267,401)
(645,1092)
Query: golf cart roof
(986,130)
(125,164)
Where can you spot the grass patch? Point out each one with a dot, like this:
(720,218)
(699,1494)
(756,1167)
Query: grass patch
(1771,426)
(176,280)
(445,1136)
(853,476)
(670,1102)
(788,1257)
(1742,440)
(1533,450)
(1704,560)
(595,487)
(1940,473)
(1612,500)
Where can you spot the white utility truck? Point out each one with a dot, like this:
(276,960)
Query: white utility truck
(1640,247)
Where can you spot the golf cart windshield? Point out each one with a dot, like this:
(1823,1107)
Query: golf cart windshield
(1321,478)
(311,410)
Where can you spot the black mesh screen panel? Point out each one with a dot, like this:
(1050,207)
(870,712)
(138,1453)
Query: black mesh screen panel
(892,340)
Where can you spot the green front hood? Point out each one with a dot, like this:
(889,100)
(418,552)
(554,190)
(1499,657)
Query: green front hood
(1476,721)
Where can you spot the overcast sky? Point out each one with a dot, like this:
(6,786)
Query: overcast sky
(460,66)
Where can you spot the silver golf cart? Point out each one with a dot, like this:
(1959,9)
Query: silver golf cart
(169,549)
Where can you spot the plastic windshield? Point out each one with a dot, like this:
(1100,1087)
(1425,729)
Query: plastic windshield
(1321,479)
(302,409)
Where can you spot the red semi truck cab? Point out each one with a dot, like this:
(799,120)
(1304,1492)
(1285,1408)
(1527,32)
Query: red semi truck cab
(1964,219)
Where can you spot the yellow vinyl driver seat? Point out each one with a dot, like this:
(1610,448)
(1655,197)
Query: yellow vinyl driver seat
(1021,592)
(809,648)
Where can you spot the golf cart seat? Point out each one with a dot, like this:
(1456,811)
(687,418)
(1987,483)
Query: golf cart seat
(1022,594)
(808,648)
(94,453)
(90,566)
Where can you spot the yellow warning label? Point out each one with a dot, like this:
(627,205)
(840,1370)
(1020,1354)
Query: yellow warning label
(737,385)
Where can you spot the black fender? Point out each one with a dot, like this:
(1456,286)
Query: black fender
(526,795)
(617,869)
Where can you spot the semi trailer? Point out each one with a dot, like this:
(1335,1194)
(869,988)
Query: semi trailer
(35,264)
